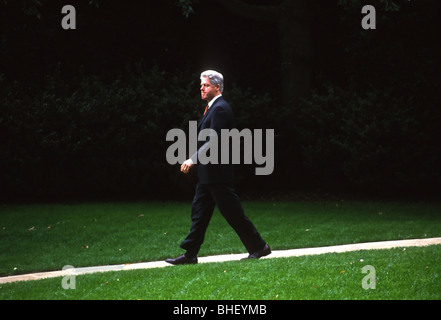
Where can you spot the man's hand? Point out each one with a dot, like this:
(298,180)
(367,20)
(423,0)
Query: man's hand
(185,167)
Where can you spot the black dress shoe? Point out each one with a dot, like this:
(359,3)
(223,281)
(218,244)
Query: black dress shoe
(259,254)
(182,260)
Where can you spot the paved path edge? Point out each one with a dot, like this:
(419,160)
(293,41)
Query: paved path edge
(228,257)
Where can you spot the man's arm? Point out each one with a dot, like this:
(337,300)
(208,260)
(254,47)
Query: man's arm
(219,121)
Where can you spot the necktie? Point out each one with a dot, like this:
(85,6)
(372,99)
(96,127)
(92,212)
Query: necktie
(206,108)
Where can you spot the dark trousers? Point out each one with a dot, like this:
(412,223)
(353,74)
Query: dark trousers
(207,196)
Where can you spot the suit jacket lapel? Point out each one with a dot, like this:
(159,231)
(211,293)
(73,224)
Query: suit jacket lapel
(208,111)
(203,118)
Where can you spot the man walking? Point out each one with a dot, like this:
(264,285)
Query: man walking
(215,181)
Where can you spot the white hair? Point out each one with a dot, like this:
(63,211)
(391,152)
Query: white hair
(215,78)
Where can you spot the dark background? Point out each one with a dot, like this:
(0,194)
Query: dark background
(84,113)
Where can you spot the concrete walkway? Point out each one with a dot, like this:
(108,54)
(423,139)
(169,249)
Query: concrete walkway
(229,257)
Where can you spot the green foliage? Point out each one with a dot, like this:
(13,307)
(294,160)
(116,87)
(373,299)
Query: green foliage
(372,122)
(374,126)
(371,141)
(104,138)
(88,135)
(186,6)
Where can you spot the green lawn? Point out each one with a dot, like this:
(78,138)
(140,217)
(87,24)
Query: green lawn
(413,273)
(48,237)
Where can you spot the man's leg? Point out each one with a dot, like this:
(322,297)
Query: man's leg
(201,213)
(230,207)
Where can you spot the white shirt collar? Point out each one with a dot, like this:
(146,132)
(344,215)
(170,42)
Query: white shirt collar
(213,100)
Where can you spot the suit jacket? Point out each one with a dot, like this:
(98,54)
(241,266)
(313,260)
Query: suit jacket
(219,116)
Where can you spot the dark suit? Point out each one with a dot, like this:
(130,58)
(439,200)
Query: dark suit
(215,187)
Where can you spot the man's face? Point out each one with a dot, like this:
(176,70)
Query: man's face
(208,91)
